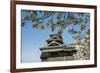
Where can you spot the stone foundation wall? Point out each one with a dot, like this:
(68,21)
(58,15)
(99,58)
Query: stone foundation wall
(65,58)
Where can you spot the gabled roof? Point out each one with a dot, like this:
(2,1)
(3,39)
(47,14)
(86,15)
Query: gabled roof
(54,43)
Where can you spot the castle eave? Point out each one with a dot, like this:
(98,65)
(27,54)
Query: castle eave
(56,47)
(56,50)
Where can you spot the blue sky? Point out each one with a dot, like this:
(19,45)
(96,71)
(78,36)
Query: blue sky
(33,39)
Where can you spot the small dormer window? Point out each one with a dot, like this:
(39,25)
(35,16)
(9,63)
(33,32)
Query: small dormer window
(54,37)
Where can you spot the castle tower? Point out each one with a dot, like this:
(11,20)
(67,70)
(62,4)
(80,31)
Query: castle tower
(56,50)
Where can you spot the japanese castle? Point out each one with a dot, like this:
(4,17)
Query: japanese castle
(56,50)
